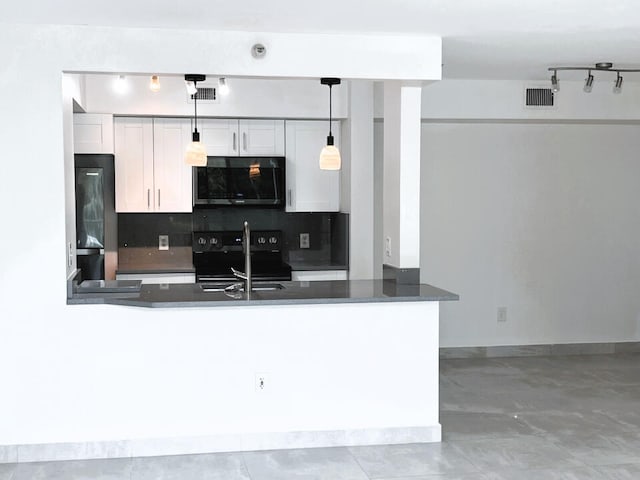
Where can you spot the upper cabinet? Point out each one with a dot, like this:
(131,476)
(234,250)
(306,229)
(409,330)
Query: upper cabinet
(310,189)
(93,133)
(242,137)
(151,175)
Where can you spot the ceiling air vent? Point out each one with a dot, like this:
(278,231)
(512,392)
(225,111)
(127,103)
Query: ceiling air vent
(539,98)
(206,94)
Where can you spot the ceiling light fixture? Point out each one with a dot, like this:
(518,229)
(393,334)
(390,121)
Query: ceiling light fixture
(120,85)
(223,87)
(555,85)
(588,83)
(196,154)
(191,86)
(618,86)
(330,155)
(154,85)
(598,67)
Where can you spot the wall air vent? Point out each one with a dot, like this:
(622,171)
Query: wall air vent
(538,97)
(206,94)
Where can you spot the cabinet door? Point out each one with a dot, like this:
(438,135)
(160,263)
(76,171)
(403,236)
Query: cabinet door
(92,133)
(134,164)
(261,137)
(172,176)
(220,137)
(310,189)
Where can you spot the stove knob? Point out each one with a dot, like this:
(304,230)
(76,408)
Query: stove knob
(262,240)
(273,240)
(213,241)
(202,241)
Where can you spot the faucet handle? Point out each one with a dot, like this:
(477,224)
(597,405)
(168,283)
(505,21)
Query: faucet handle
(239,274)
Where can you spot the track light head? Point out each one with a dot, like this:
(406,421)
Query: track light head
(555,84)
(618,86)
(588,83)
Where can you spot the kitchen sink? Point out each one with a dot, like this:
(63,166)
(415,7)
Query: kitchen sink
(239,287)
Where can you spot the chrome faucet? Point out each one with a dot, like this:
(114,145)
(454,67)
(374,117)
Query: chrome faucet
(246,275)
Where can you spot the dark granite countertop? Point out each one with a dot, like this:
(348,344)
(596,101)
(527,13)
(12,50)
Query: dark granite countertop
(336,291)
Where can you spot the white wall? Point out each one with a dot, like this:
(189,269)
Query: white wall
(543,219)
(79,373)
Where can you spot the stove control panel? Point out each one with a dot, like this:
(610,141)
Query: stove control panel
(231,241)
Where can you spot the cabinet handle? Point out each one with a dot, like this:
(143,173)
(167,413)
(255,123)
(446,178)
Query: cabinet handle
(289,197)
(244,141)
(148,198)
(234,141)
(158,198)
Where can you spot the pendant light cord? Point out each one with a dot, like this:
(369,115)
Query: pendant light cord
(195,107)
(330,134)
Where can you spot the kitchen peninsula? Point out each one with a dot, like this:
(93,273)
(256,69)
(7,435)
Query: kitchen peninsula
(345,362)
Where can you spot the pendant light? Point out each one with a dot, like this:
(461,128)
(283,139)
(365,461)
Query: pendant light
(330,155)
(196,154)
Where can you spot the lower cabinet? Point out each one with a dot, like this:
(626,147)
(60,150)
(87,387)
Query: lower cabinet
(318,275)
(158,277)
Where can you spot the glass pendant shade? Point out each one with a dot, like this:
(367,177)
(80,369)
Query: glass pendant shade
(330,158)
(196,154)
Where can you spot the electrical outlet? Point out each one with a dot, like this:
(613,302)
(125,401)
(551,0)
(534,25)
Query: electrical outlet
(502,314)
(387,246)
(262,382)
(163,242)
(304,240)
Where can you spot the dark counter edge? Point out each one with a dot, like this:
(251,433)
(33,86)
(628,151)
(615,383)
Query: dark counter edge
(134,300)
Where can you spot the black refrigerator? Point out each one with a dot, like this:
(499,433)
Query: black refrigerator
(96,221)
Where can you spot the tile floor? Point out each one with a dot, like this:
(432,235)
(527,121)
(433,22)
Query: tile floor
(574,417)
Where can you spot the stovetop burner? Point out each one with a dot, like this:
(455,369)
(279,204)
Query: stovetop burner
(216,252)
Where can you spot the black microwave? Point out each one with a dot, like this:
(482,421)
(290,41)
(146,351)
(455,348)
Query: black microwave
(240,181)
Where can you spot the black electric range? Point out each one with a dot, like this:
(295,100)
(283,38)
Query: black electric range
(215,253)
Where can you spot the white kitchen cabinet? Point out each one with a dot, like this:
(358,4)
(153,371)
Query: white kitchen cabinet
(155,278)
(232,137)
(151,175)
(318,275)
(92,133)
(310,189)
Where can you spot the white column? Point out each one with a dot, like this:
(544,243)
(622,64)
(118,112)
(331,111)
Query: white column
(401,183)
(359,176)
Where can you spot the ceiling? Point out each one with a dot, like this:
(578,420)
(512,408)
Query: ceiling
(490,39)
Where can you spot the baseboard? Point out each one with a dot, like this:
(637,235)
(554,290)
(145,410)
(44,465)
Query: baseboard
(218,443)
(540,350)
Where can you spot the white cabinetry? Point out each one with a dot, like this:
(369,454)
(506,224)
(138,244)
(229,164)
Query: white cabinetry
(310,189)
(315,275)
(149,278)
(151,175)
(92,133)
(242,137)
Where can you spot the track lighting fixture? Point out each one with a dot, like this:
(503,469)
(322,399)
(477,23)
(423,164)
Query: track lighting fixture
(588,83)
(222,86)
(191,86)
(121,86)
(330,155)
(196,154)
(555,85)
(618,86)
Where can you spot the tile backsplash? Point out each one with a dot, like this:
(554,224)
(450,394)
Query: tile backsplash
(327,232)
